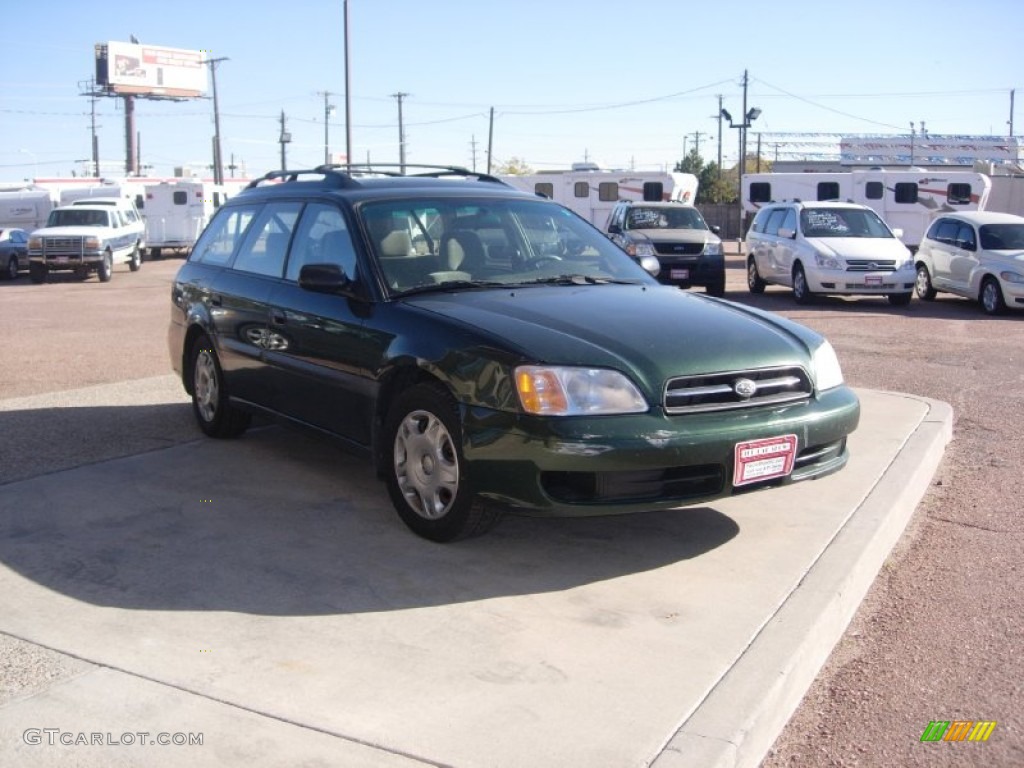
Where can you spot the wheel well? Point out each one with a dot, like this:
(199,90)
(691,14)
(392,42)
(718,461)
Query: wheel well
(399,380)
(194,332)
(984,279)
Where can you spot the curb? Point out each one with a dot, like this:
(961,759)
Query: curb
(743,715)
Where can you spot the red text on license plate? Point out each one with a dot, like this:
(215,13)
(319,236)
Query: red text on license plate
(679,274)
(873,280)
(765,459)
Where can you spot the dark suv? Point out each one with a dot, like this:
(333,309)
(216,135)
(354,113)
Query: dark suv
(489,350)
(689,251)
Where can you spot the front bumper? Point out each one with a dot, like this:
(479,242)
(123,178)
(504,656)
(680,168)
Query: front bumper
(840,281)
(57,262)
(637,462)
(687,271)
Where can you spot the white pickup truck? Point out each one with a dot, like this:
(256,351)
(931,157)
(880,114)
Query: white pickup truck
(86,237)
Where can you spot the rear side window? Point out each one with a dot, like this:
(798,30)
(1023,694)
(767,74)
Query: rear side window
(828,190)
(760,192)
(266,244)
(906,192)
(958,194)
(219,240)
(874,190)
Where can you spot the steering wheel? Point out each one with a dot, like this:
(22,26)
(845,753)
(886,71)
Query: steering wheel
(542,261)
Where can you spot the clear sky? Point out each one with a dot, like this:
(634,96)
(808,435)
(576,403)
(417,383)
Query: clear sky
(620,83)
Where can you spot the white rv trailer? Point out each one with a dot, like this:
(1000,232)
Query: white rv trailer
(26,208)
(133,190)
(907,199)
(177,211)
(593,193)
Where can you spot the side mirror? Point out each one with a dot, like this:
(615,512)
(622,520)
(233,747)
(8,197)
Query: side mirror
(897,233)
(787,233)
(651,265)
(716,229)
(614,229)
(324,278)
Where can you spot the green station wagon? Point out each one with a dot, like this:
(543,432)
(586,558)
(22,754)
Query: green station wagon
(489,351)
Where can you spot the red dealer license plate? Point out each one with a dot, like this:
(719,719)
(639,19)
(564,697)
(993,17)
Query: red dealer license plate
(766,459)
(679,274)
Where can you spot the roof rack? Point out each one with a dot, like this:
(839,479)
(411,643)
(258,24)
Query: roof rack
(341,176)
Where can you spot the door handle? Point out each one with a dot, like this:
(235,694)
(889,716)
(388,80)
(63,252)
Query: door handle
(278,318)
(216,299)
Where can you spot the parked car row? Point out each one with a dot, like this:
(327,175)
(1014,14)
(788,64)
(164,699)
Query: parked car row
(834,248)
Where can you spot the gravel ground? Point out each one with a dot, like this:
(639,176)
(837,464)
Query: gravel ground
(939,636)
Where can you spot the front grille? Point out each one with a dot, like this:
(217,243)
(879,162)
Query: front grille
(876,286)
(671,484)
(679,249)
(717,391)
(62,246)
(868,265)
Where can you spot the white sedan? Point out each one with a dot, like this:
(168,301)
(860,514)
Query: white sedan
(979,255)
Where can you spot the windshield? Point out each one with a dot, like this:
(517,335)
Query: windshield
(1002,237)
(665,218)
(77,218)
(842,222)
(431,243)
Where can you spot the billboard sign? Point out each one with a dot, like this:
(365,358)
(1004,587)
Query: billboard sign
(150,70)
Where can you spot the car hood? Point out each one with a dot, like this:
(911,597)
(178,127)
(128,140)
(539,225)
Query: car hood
(652,333)
(71,231)
(678,235)
(861,247)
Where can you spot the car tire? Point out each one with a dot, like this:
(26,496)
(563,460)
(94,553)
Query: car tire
(923,284)
(900,299)
(715,289)
(37,273)
(426,472)
(106,268)
(991,297)
(135,262)
(210,404)
(154,253)
(755,284)
(11,268)
(801,291)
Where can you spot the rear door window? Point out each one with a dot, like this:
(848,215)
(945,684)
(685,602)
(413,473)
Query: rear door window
(219,241)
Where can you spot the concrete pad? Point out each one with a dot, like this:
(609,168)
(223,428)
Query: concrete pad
(271,574)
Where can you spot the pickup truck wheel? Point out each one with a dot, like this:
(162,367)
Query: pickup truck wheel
(715,289)
(427,478)
(106,268)
(136,260)
(37,272)
(11,270)
(213,411)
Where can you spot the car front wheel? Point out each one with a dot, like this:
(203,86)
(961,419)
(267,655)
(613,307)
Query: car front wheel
(923,284)
(213,411)
(37,272)
(754,281)
(11,270)
(135,262)
(106,268)
(992,297)
(801,292)
(427,479)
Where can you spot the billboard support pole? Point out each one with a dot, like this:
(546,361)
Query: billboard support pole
(130,161)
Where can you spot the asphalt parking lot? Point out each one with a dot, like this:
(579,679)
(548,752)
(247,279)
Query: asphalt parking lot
(937,638)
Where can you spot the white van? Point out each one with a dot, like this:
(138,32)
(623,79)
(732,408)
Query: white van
(177,211)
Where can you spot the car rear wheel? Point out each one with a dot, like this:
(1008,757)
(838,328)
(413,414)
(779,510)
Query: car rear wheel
(213,411)
(754,281)
(427,479)
(992,297)
(106,268)
(923,284)
(37,273)
(801,292)
(135,262)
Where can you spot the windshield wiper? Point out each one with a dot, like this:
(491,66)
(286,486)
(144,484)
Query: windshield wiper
(448,285)
(577,280)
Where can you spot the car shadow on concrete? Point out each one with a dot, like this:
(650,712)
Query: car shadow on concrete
(280,523)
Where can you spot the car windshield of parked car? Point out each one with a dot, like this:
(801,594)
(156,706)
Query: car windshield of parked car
(446,243)
(1002,237)
(665,218)
(77,218)
(842,222)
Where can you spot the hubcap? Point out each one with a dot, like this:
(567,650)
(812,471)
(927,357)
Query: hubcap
(426,465)
(922,282)
(988,297)
(12,267)
(205,385)
(799,285)
(752,275)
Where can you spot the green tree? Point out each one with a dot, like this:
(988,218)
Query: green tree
(514,166)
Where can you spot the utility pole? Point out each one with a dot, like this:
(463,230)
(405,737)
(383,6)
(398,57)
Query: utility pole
(1012,91)
(911,142)
(472,144)
(348,99)
(758,151)
(285,138)
(90,85)
(328,109)
(719,116)
(218,164)
(401,131)
(696,140)
(743,136)
(490,140)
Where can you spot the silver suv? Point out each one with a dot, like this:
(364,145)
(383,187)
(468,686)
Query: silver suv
(828,248)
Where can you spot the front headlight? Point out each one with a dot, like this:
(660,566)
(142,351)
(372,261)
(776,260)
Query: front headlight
(909,265)
(92,244)
(827,373)
(1012,277)
(554,390)
(35,243)
(713,249)
(639,250)
(826,262)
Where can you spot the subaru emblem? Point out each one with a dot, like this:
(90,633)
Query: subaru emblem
(745,388)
